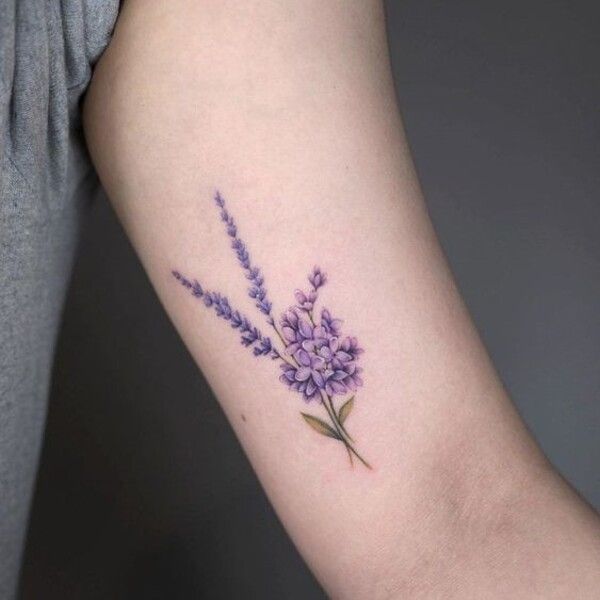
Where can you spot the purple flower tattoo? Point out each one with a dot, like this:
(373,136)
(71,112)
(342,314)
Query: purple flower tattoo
(316,359)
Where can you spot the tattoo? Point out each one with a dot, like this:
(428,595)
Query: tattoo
(316,360)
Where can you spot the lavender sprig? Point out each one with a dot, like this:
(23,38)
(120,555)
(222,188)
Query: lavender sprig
(316,359)
(257,290)
(250,335)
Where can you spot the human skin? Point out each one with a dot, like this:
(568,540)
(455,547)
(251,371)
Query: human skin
(288,109)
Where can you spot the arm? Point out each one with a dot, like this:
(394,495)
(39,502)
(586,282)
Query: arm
(427,484)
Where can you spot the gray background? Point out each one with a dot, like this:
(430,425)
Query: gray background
(143,490)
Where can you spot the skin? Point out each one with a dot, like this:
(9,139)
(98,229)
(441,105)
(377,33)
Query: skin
(288,109)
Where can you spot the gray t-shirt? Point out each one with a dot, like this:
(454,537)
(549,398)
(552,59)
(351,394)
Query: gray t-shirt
(47,50)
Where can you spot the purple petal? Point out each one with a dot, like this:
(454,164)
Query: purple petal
(308,345)
(318,379)
(304,328)
(316,362)
(289,334)
(326,353)
(290,376)
(320,342)
(300,296)
(302,374)
(340,375)
(302,357)
(319,332)
(292,348)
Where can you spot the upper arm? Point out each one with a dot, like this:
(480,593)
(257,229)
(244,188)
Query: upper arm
(287,110)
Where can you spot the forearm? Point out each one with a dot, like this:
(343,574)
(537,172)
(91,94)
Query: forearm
(287,109)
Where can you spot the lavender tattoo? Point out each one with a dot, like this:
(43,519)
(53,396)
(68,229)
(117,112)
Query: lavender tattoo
(316,359)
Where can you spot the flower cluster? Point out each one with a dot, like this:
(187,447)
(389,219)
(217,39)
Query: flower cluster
(324,361)
(250,335)
(257,289)
(317,358)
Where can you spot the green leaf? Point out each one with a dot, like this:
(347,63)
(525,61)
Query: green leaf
(345,410)
(320,426)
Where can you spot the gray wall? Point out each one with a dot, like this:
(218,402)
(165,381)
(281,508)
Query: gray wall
(143,490)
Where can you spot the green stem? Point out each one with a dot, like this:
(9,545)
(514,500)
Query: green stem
(345,438)
(341,424)
(337,429)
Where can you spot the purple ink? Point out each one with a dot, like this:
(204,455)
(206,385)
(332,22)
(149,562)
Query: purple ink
(316,359)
